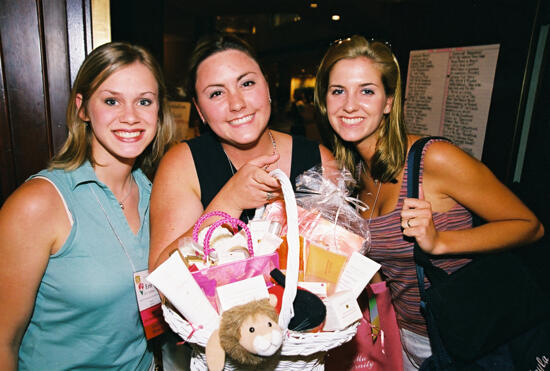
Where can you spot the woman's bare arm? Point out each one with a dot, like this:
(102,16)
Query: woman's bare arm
(33,225)
(176,201)
(452,176)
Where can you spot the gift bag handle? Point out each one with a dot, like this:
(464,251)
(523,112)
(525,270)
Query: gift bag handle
(210,214)
(232,221)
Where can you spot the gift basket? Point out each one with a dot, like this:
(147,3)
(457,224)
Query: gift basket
(300,350)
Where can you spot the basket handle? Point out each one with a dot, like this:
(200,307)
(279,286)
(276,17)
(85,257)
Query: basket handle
(233,222)
(201,220)
(293,256)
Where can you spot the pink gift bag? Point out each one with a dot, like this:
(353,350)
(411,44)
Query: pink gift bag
(381,352)
(219,275)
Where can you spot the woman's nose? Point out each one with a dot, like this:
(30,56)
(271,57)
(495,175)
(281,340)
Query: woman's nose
(129,115)
(350,104)
(236,101)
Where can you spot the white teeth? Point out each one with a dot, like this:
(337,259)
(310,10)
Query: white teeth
(242,120)
(128,134)
(349,121)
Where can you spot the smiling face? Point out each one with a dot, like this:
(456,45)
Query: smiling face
(356,101)
(123,114)
(233,96)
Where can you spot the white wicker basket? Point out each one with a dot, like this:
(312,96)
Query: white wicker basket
(300,350)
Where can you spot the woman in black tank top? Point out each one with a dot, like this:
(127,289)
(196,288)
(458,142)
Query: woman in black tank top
(227,167)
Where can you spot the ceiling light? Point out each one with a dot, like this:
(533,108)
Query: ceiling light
(335,17)
(313,5)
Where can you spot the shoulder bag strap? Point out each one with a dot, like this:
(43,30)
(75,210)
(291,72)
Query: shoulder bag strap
(422,260)
(440,358)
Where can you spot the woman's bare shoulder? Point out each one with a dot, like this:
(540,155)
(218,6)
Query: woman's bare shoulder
(38,207)
(327,158)
(175,178)
(178,152)
(444,154)
(34,198)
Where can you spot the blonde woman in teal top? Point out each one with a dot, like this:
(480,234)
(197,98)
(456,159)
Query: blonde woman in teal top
(72,236)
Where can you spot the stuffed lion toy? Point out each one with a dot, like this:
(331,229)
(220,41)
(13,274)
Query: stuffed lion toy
(248,334)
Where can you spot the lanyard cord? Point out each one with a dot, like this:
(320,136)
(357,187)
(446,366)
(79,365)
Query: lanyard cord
(113,228)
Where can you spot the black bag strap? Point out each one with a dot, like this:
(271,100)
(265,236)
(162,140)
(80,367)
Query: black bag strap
(440,359)
(422,260)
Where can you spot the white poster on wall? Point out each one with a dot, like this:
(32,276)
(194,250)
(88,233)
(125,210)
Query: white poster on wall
(448,93)
(181,112)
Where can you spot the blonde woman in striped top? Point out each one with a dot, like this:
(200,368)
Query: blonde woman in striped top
(358,91)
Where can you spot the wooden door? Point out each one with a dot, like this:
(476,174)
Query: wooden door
(42,44)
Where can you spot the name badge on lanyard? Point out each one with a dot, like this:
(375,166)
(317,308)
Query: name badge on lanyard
(149,306)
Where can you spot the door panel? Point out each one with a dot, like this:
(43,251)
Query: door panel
(42,44)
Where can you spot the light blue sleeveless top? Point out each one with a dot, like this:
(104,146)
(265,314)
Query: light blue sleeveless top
(86,315)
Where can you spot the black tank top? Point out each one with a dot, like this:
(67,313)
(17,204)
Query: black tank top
(213,167)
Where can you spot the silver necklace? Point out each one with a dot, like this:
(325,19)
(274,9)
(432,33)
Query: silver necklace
(368,235)
(273,144)
(113,228)
(121,202)
(375,200)
(361,171)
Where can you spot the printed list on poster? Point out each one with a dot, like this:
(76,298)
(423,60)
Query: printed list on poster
(448,93)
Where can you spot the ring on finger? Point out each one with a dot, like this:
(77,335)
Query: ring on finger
(269,196)
(409,223)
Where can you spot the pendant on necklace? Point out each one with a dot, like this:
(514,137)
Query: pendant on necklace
(121,202)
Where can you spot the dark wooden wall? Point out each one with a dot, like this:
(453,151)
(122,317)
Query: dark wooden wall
(42,44)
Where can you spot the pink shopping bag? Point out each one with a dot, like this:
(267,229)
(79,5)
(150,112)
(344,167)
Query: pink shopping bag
(362,353)
(219,275)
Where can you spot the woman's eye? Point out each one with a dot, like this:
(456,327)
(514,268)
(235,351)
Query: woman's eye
(145,102)
(110,101)
(249,83)
(367,91)
(337,91)
(215,94)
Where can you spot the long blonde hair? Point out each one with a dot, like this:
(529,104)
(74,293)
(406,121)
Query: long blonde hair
(101,63)
(391,148)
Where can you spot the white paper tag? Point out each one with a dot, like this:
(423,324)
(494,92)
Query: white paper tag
(146,293)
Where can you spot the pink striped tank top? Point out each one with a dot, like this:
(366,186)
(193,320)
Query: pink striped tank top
(396,255)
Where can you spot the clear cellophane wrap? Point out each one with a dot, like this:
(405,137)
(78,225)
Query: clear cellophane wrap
(328,218)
